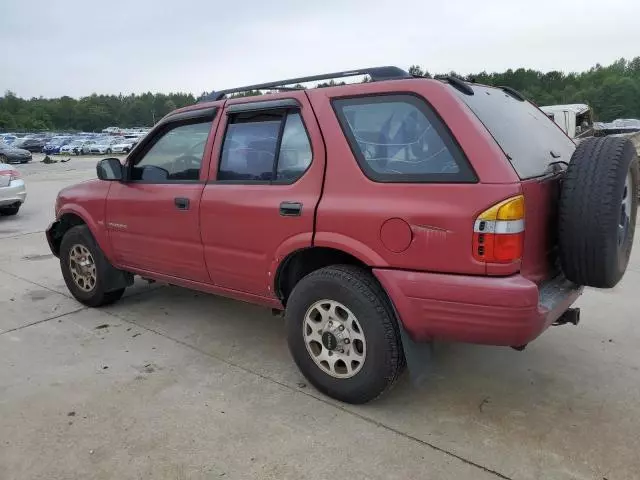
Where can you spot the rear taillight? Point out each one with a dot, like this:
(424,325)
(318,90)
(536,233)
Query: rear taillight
(12,174)
(498,232)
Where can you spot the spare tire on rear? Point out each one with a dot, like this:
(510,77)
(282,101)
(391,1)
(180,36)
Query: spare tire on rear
(597,211)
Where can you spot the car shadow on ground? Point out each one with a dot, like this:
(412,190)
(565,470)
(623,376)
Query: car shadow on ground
(464,380)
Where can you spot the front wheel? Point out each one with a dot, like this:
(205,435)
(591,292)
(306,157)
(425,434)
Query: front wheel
(3,159)
(108,151)
(343,334)
(85,268)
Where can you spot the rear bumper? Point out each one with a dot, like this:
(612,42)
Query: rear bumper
(16,192)
(487,310)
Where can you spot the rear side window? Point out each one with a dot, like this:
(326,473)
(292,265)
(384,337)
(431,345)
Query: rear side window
(265,147)
(398,138)
(528,137)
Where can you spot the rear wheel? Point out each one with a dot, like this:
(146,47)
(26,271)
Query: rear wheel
(84,268)
(108,151)
(3,159)
(597,211)
(343,334)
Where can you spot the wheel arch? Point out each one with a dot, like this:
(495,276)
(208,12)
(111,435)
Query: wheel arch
(303,261)
(69,218)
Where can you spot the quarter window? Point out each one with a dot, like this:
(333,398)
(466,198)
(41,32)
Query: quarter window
(398,138)
(175,156)
(265,147)
(295,150)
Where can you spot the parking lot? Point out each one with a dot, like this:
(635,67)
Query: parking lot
(173,384)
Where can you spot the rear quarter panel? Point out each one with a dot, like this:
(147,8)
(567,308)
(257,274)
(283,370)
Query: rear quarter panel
(438,217)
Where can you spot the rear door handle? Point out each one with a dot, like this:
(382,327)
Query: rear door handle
(181,203)
(290,209)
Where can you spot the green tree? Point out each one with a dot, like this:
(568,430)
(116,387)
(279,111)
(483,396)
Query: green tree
(613,91)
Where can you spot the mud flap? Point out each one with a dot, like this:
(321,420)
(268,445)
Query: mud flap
(116,279)
(417,355)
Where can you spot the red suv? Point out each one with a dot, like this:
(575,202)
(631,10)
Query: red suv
(378,216)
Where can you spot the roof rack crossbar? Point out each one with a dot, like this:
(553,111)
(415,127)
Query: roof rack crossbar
(457,83)
(376,74)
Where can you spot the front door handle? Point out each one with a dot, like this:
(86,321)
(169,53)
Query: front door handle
(181,203)
(290,209)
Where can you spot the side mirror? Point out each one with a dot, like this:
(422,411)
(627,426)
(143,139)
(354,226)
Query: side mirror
(110,169)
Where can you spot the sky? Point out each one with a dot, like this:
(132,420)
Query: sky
(52,48)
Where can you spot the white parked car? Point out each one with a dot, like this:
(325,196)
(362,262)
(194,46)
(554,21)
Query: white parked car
(12,190)
(124,146)
(104,145)
(77,147)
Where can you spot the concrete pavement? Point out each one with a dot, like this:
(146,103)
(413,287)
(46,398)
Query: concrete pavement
(174,384)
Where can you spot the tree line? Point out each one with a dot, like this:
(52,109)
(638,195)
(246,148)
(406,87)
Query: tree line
(613,91)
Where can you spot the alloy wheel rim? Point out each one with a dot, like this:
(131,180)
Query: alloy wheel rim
(82,267)
(334,339)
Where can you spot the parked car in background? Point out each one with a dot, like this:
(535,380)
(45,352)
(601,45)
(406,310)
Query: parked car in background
(11,154)
(8,139)
(12,190)
(124,145)
(79,146)
(55,144)
(104,145)
(33,144)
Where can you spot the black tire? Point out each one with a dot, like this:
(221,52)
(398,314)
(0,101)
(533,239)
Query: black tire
(359,291)
(108,151)
(98,296)
(592,251)
(3,159)
(12,210)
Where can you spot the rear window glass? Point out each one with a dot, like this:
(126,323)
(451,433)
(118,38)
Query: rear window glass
(529,138)
(398,138)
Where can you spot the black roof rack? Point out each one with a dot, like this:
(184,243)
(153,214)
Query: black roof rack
(376,74)
(513,92)
(457,83)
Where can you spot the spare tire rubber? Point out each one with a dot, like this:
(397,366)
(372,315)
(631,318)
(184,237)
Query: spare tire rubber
(597,211)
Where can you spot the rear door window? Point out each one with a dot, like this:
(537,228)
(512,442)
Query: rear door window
(265,148)
(399,138)
(529,138)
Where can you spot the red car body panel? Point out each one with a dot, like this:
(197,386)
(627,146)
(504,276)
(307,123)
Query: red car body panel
(243,233)
(540,232)
(438,218)
(416,237)
(147,231)
(496,311)
(87,200)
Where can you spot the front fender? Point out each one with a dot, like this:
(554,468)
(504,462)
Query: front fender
(97,227)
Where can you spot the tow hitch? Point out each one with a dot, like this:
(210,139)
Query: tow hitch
(571,316)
